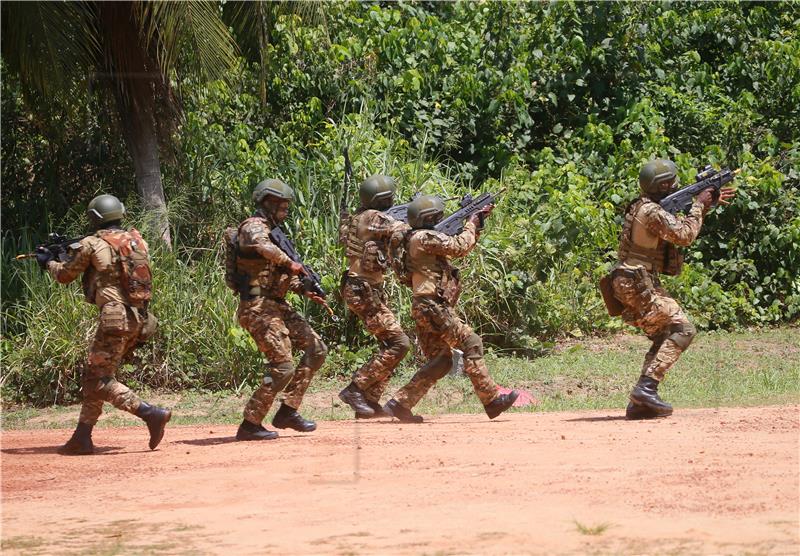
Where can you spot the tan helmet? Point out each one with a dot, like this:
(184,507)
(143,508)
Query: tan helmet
(273,188)
(658,177)
(377,192)
(425,211)
(104,209)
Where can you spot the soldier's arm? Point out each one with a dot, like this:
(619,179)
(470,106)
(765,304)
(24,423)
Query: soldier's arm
(256,237)
(675,229)
(386,226)
(80,259)
(450,246)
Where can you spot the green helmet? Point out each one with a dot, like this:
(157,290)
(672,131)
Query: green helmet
(274,188)
(377,192)
(425,211)
(657,177)
(104,209)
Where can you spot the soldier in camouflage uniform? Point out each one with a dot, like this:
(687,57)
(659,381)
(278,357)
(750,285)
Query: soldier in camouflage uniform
(436,287)
(648,247)
(124,323)
(366,235)
(276,328)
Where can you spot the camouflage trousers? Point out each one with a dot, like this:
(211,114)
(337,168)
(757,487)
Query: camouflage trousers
(439,330)
(276,329)
(649,307)
(119,331)
(369,303)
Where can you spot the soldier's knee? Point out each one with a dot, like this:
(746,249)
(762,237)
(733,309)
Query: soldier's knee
(472,347)
(682,334)
(315,355)
(279,375)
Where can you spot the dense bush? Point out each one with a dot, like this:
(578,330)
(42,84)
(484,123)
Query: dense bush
(558,104)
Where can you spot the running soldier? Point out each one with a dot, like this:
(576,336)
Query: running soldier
(648,247)
(263,274)
(366,235)
(116,277)
(436,288)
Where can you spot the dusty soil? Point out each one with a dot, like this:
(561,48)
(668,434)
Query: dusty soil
(707,481)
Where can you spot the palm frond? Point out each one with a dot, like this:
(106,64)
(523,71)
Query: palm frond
(165,26)
(49,44)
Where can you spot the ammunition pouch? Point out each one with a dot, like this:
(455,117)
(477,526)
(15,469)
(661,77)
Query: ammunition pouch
(372,258)
(613,305)
(450,286)
(673,260)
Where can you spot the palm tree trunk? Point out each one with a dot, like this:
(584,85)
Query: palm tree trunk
(140,135)
(133,77)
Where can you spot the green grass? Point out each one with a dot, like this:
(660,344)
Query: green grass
(760,367)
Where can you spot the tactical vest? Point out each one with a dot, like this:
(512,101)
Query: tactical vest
(262,277)
(639,246)
(437,269)
(250,263)
(364,246)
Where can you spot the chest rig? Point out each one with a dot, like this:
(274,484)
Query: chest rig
(663,258)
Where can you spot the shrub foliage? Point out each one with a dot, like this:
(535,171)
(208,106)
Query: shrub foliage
(556,104)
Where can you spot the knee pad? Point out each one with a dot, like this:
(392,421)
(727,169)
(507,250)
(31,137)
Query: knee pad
(682,334)
(439,366)
(279,375)
(399,344)
(472,347)
(315,355)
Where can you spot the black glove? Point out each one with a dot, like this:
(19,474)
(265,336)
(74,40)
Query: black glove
(44,256)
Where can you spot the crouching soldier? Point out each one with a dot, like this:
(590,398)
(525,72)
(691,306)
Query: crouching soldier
(648,247)
(262,276)
(366,235)
(436,288)
(116,277)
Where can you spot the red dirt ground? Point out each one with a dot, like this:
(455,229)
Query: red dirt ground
(706,481)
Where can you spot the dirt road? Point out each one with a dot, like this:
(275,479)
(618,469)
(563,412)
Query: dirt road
(704,481)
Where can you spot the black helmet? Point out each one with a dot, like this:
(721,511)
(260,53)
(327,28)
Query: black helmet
(425,211)
(104,209)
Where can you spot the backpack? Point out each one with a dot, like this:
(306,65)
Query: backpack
(136,279)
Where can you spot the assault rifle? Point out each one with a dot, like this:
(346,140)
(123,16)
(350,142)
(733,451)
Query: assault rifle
(454,224)
(312,283)
(56,243)
(681,200)
(400,212)
(348,177)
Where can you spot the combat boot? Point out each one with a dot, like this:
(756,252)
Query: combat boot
(636,412)
(377,408)
(646,393)
(251,431)
(500,404)
(80,444)
(288,418)
(354,397)
(400,413)
(156,419)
